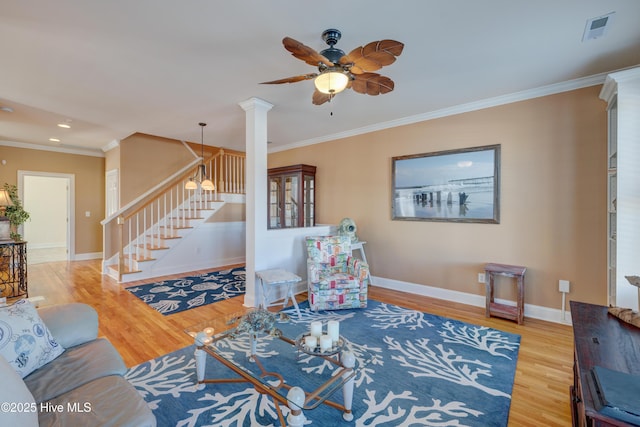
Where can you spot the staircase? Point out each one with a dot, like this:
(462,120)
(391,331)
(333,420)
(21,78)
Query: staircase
(147,235)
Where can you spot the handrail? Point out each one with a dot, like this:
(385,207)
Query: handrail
(187,170)
(145,223)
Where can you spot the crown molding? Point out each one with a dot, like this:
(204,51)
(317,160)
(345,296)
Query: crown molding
(110,146)
(524,95)
(66,150)
(610,87)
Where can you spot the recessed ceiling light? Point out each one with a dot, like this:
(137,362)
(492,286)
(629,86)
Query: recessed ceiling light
(54,140)
(66,124)
(6,109)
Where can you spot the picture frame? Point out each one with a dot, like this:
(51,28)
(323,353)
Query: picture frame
(461,185)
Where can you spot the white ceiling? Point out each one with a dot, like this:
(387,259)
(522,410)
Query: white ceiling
(161,66)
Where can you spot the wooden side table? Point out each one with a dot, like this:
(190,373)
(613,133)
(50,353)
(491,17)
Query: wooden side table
(502,310)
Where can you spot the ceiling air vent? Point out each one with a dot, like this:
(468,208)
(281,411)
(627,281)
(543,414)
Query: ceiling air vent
(597,27)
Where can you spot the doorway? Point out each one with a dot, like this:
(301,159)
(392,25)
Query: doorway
(48,197)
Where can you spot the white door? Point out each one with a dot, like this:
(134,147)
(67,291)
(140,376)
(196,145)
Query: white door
(112,192)
(48,197)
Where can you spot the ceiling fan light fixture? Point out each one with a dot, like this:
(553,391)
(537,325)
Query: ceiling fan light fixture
(331,82)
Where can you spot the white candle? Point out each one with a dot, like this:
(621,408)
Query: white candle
(325,343)
(310,342)
(333,329)
(316,329)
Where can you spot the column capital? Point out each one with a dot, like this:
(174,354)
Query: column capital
(255,103)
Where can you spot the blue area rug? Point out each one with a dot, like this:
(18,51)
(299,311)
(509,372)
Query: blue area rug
(428,371)
(174,296)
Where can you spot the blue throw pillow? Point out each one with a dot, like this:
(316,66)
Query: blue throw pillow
(25,341)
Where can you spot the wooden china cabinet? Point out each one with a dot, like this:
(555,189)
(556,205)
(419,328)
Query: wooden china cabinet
(291,199)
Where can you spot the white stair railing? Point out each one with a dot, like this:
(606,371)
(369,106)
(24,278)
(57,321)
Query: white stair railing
(147,225)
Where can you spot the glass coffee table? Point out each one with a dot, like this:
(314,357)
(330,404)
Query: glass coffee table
(281,367)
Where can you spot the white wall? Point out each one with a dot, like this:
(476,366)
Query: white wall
(287,248)
(209,245)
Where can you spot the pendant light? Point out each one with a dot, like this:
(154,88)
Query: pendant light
(201,176)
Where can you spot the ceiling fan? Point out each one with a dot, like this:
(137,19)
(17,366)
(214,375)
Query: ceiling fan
(337,71)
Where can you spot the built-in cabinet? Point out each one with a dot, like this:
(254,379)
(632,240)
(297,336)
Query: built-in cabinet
(291,196)
(612,196)
(621,91)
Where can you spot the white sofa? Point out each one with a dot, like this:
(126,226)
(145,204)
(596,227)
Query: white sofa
(84,386)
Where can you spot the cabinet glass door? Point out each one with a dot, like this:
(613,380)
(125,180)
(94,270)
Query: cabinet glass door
(291,199)
(275,188)
(309,202)
(291,202)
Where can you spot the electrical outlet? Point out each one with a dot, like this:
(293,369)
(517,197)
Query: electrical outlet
(481,278)
(564,285)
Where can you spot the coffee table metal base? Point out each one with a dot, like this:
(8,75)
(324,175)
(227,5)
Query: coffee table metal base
(297,399)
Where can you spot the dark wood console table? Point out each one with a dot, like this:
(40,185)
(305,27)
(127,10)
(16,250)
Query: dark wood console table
(13,269)
(600,339)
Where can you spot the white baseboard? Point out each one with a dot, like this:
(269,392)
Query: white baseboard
(87,256)
(530,310)
(533,311)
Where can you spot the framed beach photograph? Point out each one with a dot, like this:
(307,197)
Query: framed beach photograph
(455,186)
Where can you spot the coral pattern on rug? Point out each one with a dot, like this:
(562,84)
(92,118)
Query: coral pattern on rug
(174,296)
(428,370)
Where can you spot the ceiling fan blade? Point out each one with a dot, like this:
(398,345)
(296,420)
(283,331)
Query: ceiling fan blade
(305,53)
(320,98)
(293,79)
(372,84)
(372,56)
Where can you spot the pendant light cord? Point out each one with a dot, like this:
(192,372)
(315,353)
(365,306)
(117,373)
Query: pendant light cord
(203,172)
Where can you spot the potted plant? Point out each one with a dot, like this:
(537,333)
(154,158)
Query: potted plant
(16,213)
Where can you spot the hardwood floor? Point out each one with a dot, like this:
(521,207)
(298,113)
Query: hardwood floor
(543,375)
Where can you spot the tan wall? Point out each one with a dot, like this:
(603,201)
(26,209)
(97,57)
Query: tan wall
(553,198)
(89,182)
(147,160)
(112,159)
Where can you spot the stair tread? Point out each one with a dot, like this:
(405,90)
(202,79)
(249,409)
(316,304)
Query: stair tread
(126,269)
(186,218)
(162,236)
(151,247)
(197,209)
(140,258)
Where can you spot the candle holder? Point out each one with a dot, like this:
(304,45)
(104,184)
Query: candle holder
(316,351)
